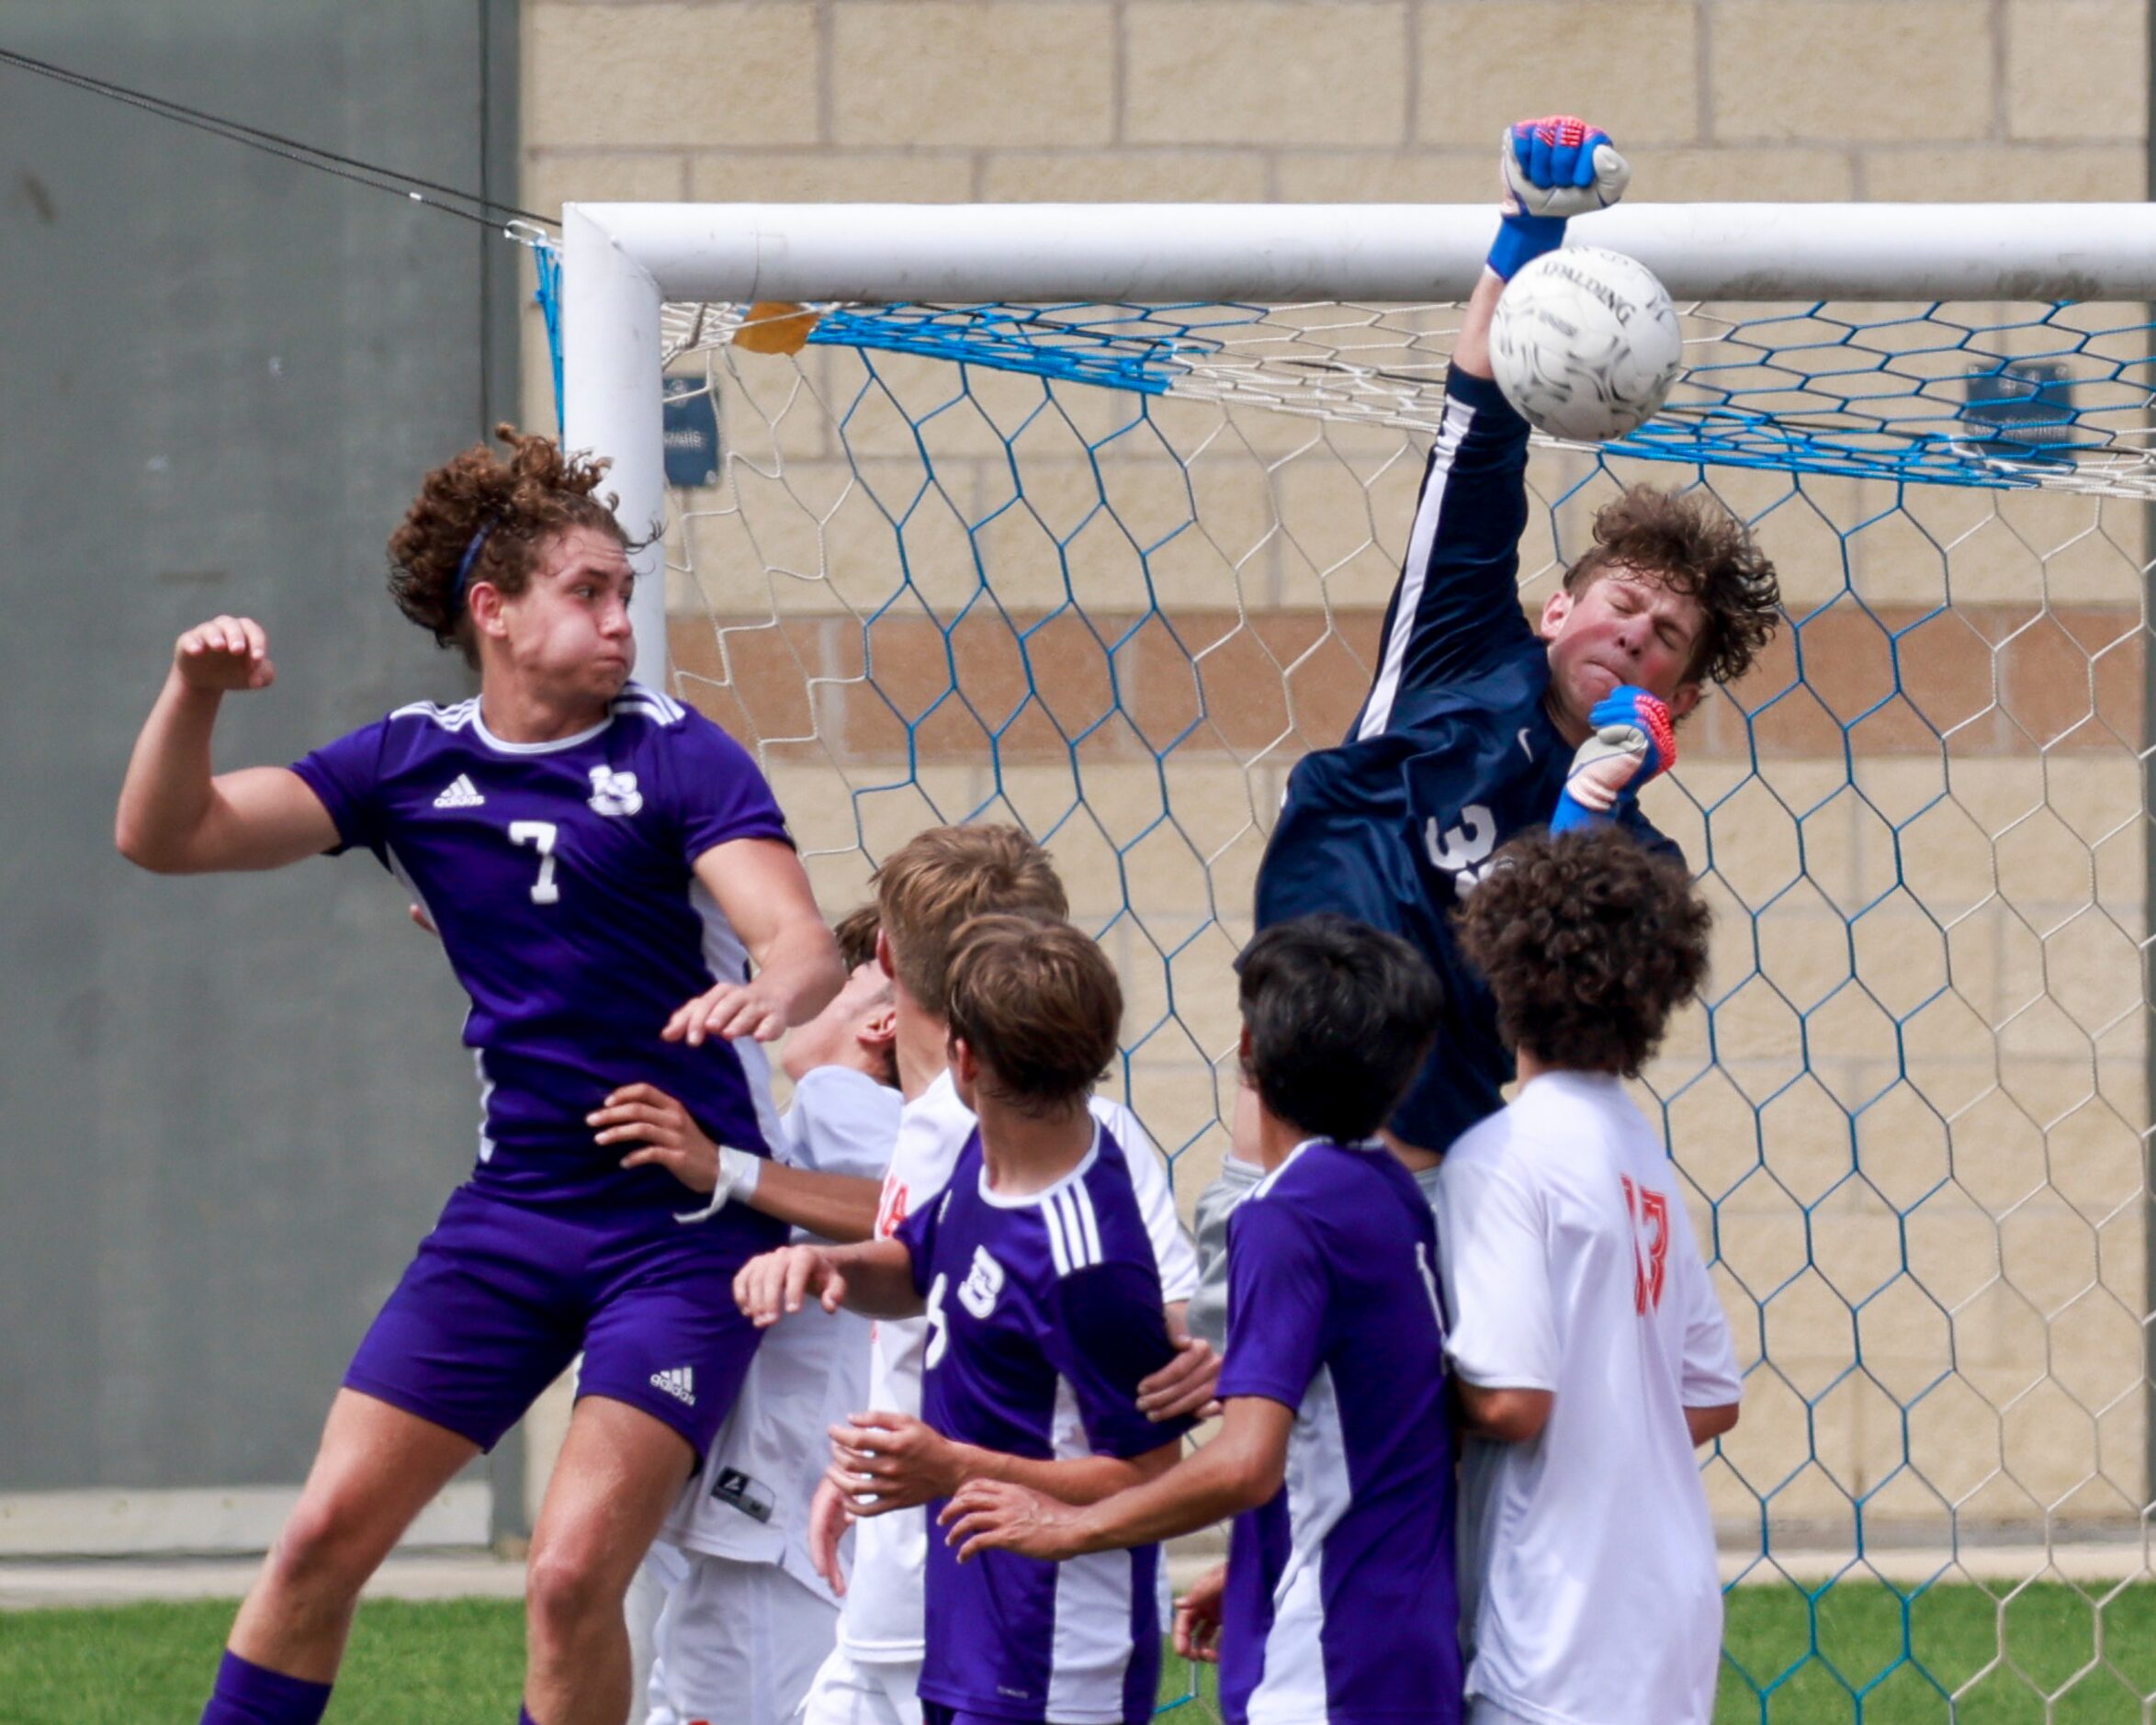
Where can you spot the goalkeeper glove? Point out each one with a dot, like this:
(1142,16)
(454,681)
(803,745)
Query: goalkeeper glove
(1633,738)
(1553,169)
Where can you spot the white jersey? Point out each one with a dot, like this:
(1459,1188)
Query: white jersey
(881,1617)
(751,1504)
(1588,1589)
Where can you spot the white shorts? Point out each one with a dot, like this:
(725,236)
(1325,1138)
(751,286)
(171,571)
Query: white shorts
(850,1691)
(1482,1710)
(738,1643)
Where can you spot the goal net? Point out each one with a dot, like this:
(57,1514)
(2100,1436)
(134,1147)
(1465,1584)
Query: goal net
(1101,548)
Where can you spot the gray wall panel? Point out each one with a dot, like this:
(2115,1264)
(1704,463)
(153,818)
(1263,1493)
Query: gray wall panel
(233,1105)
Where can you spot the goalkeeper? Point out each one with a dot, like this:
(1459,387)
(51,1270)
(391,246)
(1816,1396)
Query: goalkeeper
(1477,717)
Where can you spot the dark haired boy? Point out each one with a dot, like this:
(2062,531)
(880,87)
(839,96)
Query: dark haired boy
(1338,1601)
(1470,729)
(1038,1278)
(1590,1351)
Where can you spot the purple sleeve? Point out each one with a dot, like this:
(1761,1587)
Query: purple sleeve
(1277,1287)
(719,793)
(1107,1334)
(918,1234)
(348,775)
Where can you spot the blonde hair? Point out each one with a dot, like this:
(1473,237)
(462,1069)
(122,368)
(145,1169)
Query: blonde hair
(938,880)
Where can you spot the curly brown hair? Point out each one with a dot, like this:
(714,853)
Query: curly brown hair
(1699,549)
(1038,1005)
(519,505)
(1588,941)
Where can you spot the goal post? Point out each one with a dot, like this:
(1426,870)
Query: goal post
(1084,515)
(622,261)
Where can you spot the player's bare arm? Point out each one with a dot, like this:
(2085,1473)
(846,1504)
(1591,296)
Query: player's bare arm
(1504,1416)
(840,1207)
(1240,1469)
(1707,1423)
(177,816)
(885,1461)
(874,1278)
(1198,1616)
(1185,1385)
(888,1462)
(763,892)
(829,1518)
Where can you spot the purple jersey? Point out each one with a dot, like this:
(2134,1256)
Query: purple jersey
(1342,1605)
(560,875)
(1045,1314)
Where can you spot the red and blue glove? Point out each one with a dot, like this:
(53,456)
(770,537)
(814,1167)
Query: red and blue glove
(1633,738)
(1553,169)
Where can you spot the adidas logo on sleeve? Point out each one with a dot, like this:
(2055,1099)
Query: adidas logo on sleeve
(461,793)
(679,1384)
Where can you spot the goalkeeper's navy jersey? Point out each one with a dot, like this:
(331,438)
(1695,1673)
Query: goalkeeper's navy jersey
(560,877)
(1453,754)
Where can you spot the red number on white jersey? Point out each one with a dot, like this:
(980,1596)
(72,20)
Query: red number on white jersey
(1650,1214)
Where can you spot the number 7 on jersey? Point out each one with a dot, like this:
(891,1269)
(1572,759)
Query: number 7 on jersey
(539,835)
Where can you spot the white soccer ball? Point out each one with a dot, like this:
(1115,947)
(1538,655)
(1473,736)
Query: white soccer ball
(1586,344)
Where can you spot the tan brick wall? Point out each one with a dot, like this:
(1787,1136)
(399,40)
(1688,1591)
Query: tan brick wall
(2006,1308)
(1331,100)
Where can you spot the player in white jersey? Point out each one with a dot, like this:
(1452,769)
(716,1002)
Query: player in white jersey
(891,1463)
(1590,1351)
(744,1620)
(615,889)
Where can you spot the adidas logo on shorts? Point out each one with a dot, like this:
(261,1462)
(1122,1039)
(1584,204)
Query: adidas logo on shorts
(461,793)
(679,1384)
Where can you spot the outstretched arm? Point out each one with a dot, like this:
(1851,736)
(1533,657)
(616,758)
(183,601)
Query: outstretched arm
(874,1278)
(177,818)
(762,891)
(840,1207)
(1458,600)
(884,1461)
(1240,1469)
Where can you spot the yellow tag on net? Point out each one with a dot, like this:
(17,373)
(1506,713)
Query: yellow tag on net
(775,326)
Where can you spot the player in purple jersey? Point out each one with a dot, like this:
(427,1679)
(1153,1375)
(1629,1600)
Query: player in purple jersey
(1339,1604)
(1036,1271)
(616,890)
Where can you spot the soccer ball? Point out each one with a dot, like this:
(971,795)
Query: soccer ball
(1585,343)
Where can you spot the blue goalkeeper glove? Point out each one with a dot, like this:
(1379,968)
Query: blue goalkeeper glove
(1633,739)
(1553,169)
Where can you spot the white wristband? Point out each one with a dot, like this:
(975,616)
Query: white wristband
(739,1170)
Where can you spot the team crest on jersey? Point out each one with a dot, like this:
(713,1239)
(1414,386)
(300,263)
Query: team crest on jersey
(614,793)
(983,1283)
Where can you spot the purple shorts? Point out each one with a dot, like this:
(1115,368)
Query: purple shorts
(500,1297)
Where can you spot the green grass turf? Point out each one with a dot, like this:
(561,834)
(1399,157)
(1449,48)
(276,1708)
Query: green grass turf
(1864,1653)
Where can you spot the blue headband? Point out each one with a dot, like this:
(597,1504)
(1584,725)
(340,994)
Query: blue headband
(471,556)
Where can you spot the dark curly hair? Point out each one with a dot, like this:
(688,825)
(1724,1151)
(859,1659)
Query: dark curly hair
(1701,550)
(519,503)
(1588,941)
